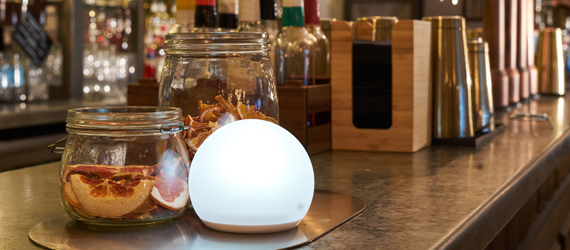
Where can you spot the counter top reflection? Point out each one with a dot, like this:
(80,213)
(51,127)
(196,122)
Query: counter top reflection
(439,197)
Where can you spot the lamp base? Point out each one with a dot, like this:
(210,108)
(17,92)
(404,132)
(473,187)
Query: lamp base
(247,229)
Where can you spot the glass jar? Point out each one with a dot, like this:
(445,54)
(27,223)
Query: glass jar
(124,165)
(217,78)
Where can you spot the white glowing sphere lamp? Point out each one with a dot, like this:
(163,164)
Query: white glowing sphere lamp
(251,176)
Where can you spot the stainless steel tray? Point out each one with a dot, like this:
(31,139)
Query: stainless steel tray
(328,211)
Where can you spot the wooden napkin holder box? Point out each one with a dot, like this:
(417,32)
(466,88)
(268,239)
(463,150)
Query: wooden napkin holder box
(374,108)
(143,93)
(305,112)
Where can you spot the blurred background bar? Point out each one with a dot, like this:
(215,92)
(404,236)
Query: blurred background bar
(99,47)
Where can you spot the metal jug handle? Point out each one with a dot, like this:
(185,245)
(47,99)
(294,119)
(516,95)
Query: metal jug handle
(55,149)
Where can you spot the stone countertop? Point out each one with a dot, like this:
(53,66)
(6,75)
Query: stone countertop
(17,115)
(439,197)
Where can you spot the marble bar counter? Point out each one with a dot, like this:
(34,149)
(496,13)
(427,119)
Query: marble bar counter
(438,198)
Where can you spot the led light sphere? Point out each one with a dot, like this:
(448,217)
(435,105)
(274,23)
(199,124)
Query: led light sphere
(251,176)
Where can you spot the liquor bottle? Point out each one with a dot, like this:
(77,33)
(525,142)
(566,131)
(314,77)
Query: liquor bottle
(206,18)
(268,11)
(19,80)
(269,24)
(228,10)
(6,80)
(185,15)
(295,48)
(249,18)
(323,52)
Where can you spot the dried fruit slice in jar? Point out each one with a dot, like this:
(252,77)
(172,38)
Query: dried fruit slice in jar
(68,194)
(113,196)
(172,193)
(214,116)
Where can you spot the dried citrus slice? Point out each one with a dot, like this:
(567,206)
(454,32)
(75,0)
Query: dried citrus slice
(97,170)
(271,119)
(202,106)
(190,145)
(211,114)
(172,193)
(68,194)
(110,198)
(198,140)
(224,119)
(254,115)
(242,109)
(227,106)
(147,206)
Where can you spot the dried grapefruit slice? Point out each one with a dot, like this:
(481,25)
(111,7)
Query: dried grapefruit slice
(110,198)
(68,194)
(172,193)
(147,206)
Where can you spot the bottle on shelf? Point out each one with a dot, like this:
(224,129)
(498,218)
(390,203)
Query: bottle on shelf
(19,79)
(206,19)
(249,18)
(269,24)
(185,16)
(6,80)
(228,10)
(150,64)
(323,52)
(295,49)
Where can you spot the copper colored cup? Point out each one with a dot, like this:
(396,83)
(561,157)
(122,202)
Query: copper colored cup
(550,62)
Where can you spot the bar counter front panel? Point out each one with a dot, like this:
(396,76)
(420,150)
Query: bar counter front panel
(439,197)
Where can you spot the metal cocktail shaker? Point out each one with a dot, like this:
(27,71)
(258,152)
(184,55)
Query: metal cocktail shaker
(550,62)
(481,89)
(452,104)
(382,27)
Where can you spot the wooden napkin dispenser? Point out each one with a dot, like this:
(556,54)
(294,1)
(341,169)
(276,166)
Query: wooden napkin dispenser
(305,111)
(381,91)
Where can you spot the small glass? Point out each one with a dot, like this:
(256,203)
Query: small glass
(124,165)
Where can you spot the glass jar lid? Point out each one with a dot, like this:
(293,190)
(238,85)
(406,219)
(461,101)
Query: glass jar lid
(216,42)
(163,120)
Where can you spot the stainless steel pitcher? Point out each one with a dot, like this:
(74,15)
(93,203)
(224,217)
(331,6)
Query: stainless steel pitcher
(452,105)
(481,89)
(550,62)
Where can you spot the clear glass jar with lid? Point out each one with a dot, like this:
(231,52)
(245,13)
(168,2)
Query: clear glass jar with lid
(217,78)
(124,165)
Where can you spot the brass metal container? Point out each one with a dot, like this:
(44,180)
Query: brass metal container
(381,26)
(481,89)
(474,33)
(550,62)
(452,104)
